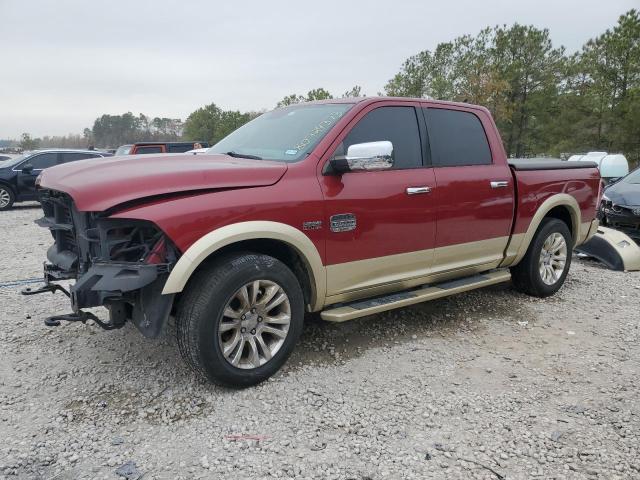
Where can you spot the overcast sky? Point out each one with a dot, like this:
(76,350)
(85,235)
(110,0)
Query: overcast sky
(65,62)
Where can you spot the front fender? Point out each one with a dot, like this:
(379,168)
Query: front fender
(251,230)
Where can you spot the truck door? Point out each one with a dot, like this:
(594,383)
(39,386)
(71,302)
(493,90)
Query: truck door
(380,225)
(474,193)
(29,170)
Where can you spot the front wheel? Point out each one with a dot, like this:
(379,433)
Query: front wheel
(239,319)
(6,197)
(544,267)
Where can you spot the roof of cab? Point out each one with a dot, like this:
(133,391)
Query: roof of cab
(74,150)
(367,100)
(164,143)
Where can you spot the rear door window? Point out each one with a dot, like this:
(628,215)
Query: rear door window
(177,148)
(42,161)
(73,156)
(457,138)
(399,125)
(149,149)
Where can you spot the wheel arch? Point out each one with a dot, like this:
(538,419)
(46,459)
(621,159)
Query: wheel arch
(561,206)
(7,184)
(563,213)
(279,240)
(12,191)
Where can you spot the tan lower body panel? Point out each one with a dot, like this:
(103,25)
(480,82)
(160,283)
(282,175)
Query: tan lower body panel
(516,244)
(404,299)
(343,279)
(587,230)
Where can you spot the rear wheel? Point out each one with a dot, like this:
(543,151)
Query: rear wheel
(239,319)
(544,268)
(6,197)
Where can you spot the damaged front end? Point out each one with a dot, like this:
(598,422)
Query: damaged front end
(121,264)
(624,218)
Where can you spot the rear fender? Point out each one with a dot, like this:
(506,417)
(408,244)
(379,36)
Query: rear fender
(520,242)
(7,184)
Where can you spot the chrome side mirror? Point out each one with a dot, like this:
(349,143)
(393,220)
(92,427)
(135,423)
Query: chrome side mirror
(365,157)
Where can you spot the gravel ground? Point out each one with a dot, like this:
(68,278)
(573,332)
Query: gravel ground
(490,384)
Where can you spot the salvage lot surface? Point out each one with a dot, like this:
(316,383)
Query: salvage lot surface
(480,385)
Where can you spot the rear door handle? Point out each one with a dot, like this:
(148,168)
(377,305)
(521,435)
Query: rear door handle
(418,190)
(501,184)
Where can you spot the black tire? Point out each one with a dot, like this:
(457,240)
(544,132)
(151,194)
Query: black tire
(526,275)
(6,192)
(201,308)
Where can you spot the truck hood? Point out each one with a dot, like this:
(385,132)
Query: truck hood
(103,183)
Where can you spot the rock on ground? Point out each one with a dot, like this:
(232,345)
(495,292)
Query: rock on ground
(482,384)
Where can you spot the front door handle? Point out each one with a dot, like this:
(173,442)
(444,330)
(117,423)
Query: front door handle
(501,184)
(418,190)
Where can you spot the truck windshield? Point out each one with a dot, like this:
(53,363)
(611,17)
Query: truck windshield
(12,161)
(287,134)
(123,150)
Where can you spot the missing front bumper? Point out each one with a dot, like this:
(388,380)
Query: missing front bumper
(129,291)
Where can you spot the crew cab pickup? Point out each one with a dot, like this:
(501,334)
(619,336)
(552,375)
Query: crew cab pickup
(343,207)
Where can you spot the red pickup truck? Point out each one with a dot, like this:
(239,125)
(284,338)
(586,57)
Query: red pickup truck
(344,207)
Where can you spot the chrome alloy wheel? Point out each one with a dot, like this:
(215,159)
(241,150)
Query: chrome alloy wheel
(553,258)
(5,198)
(254,324)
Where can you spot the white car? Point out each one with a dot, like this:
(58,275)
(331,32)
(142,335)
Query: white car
(611,166)
(198,151)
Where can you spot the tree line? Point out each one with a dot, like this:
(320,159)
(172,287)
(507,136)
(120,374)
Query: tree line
(544,100)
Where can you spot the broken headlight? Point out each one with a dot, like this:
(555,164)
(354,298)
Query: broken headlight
(132,241)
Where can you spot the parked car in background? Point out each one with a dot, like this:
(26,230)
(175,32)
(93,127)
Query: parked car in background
(18,175)
(620,205)
(611,166)
(340,207)
(142,148)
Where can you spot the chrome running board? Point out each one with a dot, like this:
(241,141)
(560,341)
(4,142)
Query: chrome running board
(349,311)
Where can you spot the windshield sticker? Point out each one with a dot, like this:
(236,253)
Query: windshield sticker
(291,152)
(322,127)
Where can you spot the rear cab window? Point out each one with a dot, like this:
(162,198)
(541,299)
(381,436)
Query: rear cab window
(396,124)
(179,147)
(148,149)
(457,138)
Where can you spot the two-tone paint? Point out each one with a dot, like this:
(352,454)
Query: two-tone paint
(464,223)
